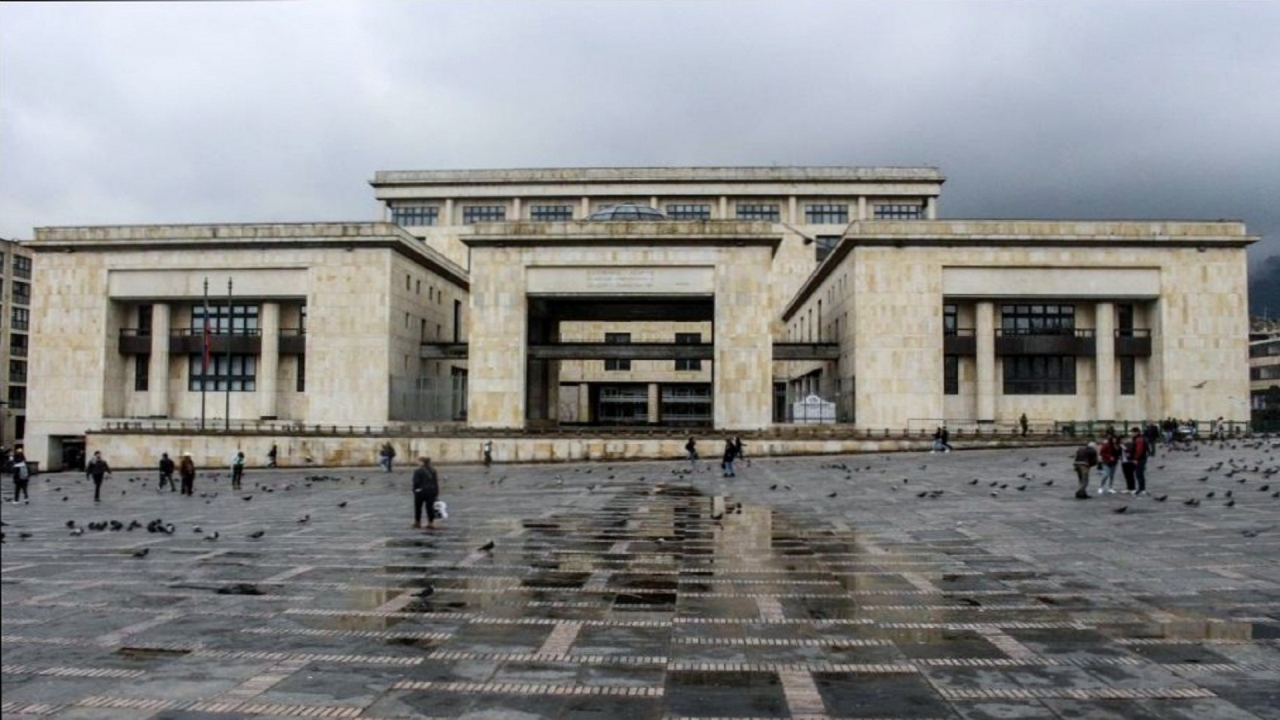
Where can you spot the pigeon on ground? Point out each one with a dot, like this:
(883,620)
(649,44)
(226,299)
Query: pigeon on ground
(1230,503)
(71,523)
(142,553)
(833,494)
(304,519)
(239,589)
(212,537)
(1120,510)
(973,481)
(1211,494)
(1048,483)
(1162,498)
(342,504)
(427,591)
(247,498)
(1192,502)
(257,534)
(922,493)
(487,546)
(77,532)
(24,535)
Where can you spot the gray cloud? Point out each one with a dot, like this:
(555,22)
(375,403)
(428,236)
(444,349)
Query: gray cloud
(193,112)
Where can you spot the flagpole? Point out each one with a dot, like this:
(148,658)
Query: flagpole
(204,355)
(230,331)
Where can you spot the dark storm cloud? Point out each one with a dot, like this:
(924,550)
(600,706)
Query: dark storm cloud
(282,111)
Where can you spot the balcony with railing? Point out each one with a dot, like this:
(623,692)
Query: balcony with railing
(1133,342)
(1046,341)
(241,341)
(960,341)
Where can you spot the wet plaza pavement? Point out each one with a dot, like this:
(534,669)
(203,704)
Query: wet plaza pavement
(966,585)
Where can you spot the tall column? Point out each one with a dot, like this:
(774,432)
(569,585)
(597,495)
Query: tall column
(515,209)
(655,404)
(1105,376)
(586,207)
(724,207)
(793,212)
(584,403)
(448,212)
(862,207)
(931,208)
(985,321)
(269,361)
(742,374)
(158,369)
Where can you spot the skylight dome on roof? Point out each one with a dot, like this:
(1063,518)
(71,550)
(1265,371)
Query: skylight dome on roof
(627,211)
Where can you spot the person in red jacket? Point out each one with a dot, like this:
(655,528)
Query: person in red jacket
(1109,457)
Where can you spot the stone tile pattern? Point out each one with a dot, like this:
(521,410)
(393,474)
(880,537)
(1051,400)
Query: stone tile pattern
(864,586)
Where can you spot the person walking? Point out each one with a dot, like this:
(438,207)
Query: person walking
(1086,458)
(691,449)
(271,455)
(166,473)
(1126,464)
(738,450)
(487,448)
(237,470)
(1108,457)
(187,472)
(21,477)
(730,453)
(387,456)
(426,490)
(1022,422)
(97,470)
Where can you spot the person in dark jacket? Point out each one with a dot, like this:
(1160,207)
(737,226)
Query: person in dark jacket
(166,473)
(97,470)
(1086,458)
(426,490)
(187,471)
(21,477)
(730,454)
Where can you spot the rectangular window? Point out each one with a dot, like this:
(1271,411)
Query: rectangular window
(551,213)
(824,245)
(898,212)
(236,320)
(457,321)
(17,397)
(1128,375)
(144,319)
(239,370)
(21,319)
(1037,319)
(472,214)
(18,346)
(22,293)
(689,212)
(410,216)
(826,214)
(950,319)
(17,371)
(1124,320)
(950,374)
(302,373)
(22,267)
(617,339)
(688,339)
(1040,375)
(766,212)
(141,372)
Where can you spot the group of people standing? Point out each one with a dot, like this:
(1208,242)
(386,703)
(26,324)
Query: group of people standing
(1129,454)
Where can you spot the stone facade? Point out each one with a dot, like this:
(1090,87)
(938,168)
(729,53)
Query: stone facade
(1181,287)
(363,289)
(15,323)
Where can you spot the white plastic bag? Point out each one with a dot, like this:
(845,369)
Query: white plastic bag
(442,510)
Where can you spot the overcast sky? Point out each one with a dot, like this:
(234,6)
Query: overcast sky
(246,112)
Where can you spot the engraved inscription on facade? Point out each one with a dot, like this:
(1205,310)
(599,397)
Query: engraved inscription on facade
(616,278)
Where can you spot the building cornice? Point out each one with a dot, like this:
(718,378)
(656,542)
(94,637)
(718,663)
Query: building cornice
(702,233)
(682,175)
(1025,234)
(264,236)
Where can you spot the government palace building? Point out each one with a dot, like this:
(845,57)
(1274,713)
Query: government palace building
(718,299)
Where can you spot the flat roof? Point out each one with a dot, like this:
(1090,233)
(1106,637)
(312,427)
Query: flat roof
(756,174)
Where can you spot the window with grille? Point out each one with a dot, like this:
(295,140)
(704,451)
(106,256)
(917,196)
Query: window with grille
(22,293)
(951,374)
(551,213)
(472,214)
(21,319)
(141,372)
(688,339)
(826,214)
(1128,375)
(21,266)
(415,216)
(1040,375)
(767,212)
(617,339)
(17,371)
(223,320)
(689,212)
(1037,319)
(895,211)
(950,319)
(238,370)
